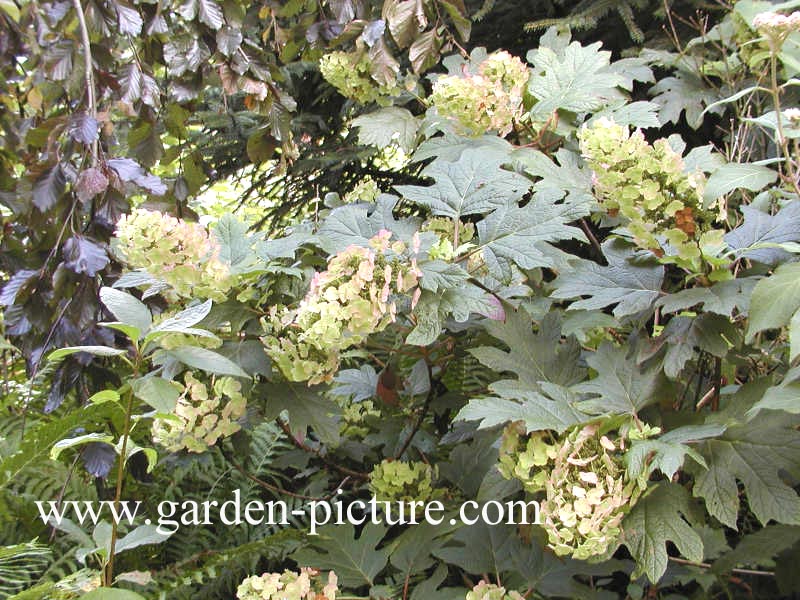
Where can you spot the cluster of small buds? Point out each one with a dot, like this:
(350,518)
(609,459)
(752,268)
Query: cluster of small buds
(350,74)
(306,584)
(355,417)
(366,190)
(352,299)
(179,253)
(202,415)
(490,591)
(584,480)
(776,27)
(489,99)
(647,186)
(398,481)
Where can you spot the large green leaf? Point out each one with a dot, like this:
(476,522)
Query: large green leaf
(356,561)
(458,303)
(733,176)
(655,520)
(775,299)
(722,298)
(128,309)
(522,235)
(386,125)
(537,411)
(621,385)
(754,454)
(235,243)
(474,184)
(207,360)
(575,79)
(157,392)
(112,594)
(763,228)
(631,286)
(355,224)
(307,407)
(533,357)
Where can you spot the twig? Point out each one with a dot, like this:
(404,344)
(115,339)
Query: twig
(274,488)
(702,565)
(123,458)
(591,237)
(300,445)
(422,415)
(88,70)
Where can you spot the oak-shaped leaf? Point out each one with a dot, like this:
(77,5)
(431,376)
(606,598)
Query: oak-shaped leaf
(523,235)
(382,127)
(621,386)
(657,518)
(533,357)
(754,454)
(307,407)
(632,286)
(357,223)
(762,228)
(475,184)
(357,561)
(575,79)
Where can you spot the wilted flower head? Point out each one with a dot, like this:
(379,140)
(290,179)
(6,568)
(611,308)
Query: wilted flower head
(289,585)
(583,476)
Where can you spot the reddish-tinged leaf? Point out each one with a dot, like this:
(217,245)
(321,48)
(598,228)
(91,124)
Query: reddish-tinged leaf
(84,256)
(83,128)
(424,52)
(48,188)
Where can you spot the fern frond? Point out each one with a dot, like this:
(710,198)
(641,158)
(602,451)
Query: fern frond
(587,14)
(216,574)
(21,566)
(487,7)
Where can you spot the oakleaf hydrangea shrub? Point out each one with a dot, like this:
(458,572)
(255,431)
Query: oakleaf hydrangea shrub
(307,584)
(204,414)
(647,186)
(583,477)
(180,253)
(483,99)
(352,299)
(401,481)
